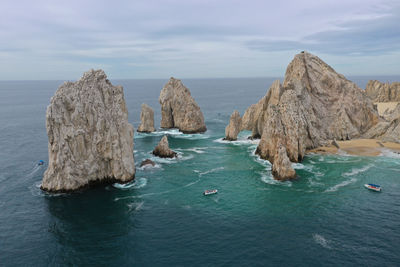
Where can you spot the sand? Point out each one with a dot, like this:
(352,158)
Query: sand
(383,106)
(359,147)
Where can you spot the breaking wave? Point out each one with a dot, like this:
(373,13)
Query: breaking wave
(319,239)
(135,184)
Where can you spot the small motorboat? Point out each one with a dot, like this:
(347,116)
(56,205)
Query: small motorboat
(41,162)
(210,192)
(373,187)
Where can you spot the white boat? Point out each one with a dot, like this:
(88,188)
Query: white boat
(373,187)
(210,192)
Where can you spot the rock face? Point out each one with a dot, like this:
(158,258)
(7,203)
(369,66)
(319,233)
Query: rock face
(383,92)
(90,139)
(162,150)
(146,120)
(179,110)
(234,127)
(312,106)
(388,129)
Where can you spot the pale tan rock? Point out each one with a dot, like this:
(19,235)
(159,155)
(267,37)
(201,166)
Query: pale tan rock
(234,127)
(313,105)
(383,92)
(179,110)
(162,150)
(146,120)
(90,138)
(282,168)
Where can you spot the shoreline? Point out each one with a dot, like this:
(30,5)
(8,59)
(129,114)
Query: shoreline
(358,147)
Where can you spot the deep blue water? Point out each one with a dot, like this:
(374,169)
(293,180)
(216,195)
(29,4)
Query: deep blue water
(324,218)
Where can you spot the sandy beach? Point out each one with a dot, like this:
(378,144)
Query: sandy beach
(359,147)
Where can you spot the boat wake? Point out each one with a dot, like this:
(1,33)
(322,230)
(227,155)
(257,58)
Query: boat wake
(198,150)
(356,171)
(211,171)
(239,142)
(342,184)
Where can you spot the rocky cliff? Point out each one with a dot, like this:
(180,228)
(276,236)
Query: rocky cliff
(314,104)
(146,120)
(383,92)
(90,138)
(179,110)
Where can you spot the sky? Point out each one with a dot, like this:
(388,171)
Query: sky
(141,39)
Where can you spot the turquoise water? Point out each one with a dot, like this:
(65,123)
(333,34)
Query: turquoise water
(325,217)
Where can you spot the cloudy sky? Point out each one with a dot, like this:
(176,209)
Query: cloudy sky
(195,38)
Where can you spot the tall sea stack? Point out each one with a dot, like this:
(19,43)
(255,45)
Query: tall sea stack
(179,110)
(90,138)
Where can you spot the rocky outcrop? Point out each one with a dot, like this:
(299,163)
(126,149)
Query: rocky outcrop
(90,138)
(147,162)
(282,167)
(146,120)
(162,150)
(179,110)
(383,92)
(313,105)
(388,129)
(234,127)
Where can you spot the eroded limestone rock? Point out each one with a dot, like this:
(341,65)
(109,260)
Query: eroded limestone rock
(162,150)
(383,92)
(234,127)
(90,138)
(179,110)
(146,120)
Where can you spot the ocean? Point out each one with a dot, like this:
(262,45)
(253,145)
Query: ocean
(324,218)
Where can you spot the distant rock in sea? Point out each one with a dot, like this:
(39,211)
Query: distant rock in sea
(90,138)
(234,127)
(179,110)
(313,106)
(147,162)
(383,92)
(162,150)
(146,120)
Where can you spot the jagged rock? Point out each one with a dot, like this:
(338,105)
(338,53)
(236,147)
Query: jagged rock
(282,167)
(146,120)
(179,110)
(314,104)
(234,127)
(162,150)
(383,92)
(388,129)
(147,162)
(90,139)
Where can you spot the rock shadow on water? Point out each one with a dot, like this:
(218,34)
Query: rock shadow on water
(84,224)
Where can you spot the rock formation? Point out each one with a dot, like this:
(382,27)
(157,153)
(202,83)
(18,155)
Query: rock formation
(179,110)
(147,162)
(312,106)
(162,150)
(388,129)
(234,127)
(146,120)
(90,139)
(383,92)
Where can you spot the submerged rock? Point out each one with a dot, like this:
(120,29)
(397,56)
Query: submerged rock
(383,92)
(313,105)
(146,120)
(147,162)
(234,127)
(179,110)
(162,150)
(90,139)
